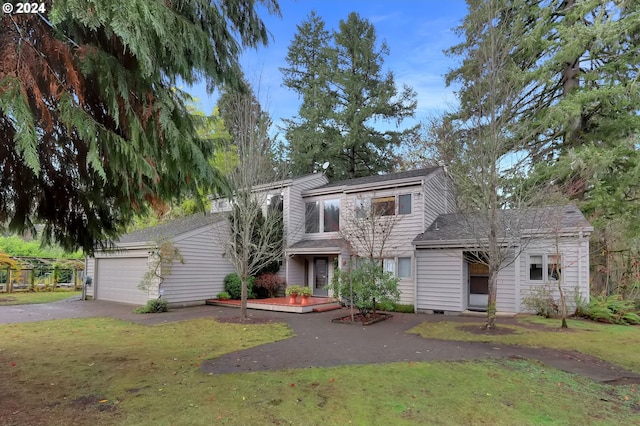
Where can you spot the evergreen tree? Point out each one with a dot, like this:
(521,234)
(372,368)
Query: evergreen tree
(91,126)
(308,134)
(347,98)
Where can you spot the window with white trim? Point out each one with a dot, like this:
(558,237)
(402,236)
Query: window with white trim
(322,216)
(404,267)
(544,267)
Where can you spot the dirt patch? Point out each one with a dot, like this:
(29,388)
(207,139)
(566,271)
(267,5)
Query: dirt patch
(7,299)
(362,319)
(623,381)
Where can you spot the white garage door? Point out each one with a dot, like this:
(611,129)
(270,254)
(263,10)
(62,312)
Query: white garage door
(117,279)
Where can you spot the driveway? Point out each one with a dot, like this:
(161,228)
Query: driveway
(320,343)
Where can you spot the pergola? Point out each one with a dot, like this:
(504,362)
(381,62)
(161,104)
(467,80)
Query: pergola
(21,272)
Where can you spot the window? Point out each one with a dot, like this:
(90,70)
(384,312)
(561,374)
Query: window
(389,265)
(404,204)
(539,263)
(384,206)
(363,207)
(535,268)
(554,267)
(312,217)
(275,203)
(331,216)
(404,267)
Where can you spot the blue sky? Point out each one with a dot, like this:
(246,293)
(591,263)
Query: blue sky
(416,32)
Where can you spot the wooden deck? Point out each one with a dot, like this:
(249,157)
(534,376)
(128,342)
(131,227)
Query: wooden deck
(281,304)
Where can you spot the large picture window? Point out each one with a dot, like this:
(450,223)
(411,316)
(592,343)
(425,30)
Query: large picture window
(312,217)
(331,216)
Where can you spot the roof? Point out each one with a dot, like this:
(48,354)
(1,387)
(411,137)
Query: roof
(172,228)
(319,246)
(458,227)
(381,178)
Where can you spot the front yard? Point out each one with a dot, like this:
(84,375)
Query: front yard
(104,371)
(29,297)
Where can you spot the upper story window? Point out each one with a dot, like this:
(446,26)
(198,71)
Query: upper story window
(384,206)
(331,216)
(404,204)
(312,217)
(322,216)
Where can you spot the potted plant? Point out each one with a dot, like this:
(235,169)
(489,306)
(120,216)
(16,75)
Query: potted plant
(304,293)
(292,291)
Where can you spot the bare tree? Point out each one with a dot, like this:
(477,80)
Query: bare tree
(476,144)
(256,221)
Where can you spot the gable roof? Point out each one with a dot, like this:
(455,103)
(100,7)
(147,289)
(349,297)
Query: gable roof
(529,222)
(382,178)
(171,228)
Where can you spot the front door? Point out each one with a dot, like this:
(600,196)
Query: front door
(320,276)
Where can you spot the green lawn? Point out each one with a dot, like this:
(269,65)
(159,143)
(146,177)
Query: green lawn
(618,344)
(104,371)
(24,298)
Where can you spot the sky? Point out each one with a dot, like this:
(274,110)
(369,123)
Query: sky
(416,32)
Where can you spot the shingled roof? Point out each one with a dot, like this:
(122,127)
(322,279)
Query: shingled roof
(381,178)
(172,228)
(458,227)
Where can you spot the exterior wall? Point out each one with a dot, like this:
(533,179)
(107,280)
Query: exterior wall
(90,271)
(202,274)
(439,280)
(294,205)
(506,286)
(438,197)
(574,254)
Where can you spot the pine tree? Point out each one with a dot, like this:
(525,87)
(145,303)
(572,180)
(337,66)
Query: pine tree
(365,96)
(309,134)
(346,99)
(91,126)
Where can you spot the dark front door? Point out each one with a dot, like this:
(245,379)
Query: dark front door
(321,274)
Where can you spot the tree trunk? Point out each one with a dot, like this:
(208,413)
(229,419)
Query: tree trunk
(243,298)
(491,300)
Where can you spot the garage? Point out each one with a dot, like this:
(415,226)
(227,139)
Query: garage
(117,279)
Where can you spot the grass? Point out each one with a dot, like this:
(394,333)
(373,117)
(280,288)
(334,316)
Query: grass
(617,344)
(108,372)
(25,298)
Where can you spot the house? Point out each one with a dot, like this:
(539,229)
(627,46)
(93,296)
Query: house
(408,219)
(539,246)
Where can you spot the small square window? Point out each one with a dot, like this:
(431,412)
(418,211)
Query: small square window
(404,204)
(404,267)
(554,269)
(535,268)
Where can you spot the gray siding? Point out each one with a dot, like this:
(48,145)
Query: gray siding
(294,206)
(440,286)
(575,268)
(506,291)
(438,198)
(90,270)
(202,275)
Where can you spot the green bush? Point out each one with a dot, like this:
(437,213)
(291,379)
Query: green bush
(233,286)
(223,295)
(153,306)
(541,301)
(367,286)
(405,309)
(613,309)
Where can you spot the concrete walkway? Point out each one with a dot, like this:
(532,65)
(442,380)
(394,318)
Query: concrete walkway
(320,343)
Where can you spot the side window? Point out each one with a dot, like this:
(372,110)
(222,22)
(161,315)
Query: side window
(331,216)
(384,206)
(535,267)
(312,217)
(404,267)
(404,204)
(554,265)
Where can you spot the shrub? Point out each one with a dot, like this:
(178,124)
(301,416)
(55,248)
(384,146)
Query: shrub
(223,295)
(406,309)
(613,309)
(366,286)
(270,283)
(233,286)
(153,306)
(541,301)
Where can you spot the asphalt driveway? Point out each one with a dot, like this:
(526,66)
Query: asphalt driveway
(320,343)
